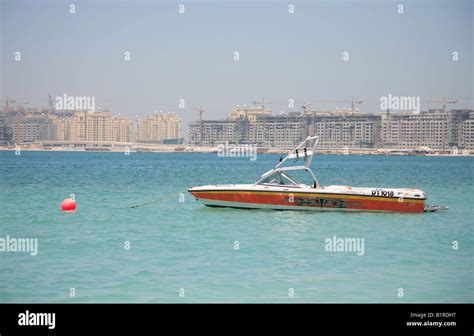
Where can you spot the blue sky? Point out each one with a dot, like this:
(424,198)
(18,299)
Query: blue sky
(190,55)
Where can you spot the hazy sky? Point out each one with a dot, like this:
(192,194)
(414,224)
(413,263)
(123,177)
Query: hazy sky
(190,55)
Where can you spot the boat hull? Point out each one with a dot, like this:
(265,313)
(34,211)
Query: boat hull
(320,200)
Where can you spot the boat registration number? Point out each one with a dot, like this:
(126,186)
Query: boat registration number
(382,192)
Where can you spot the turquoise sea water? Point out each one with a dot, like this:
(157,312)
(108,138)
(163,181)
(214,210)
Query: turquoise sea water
(177,245)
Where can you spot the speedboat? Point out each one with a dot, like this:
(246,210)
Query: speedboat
(279,189)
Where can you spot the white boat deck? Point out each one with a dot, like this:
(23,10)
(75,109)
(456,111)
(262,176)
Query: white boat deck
(302,188)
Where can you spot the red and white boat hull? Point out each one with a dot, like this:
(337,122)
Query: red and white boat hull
(307,198)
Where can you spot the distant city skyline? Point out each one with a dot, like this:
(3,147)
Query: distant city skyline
(137,58)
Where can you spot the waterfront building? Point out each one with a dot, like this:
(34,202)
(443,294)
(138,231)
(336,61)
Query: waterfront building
(277,131)
(33,129)
(91,126)
(339,130)
(466,140)
(62,129)
(95,126)
(214,132)
(158,128)
(251,114)
(5,137)
(435,129)
(287,130)
(80,126)
(122,129)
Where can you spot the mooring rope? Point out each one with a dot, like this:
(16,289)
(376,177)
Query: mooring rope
(156,200)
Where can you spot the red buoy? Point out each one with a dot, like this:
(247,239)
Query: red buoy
(69,204)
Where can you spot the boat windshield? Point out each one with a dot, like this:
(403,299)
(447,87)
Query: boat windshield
(279,178)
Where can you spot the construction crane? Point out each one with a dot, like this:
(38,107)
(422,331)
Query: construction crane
(352,101)
(465,99)
(261,104)
(8,101)
(444,102)
(306,105)
(25,103)
(201,133)
(50,103)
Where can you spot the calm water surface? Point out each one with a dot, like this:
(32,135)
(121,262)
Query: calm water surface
(177,245)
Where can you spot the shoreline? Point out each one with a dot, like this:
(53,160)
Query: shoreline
(196,149)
